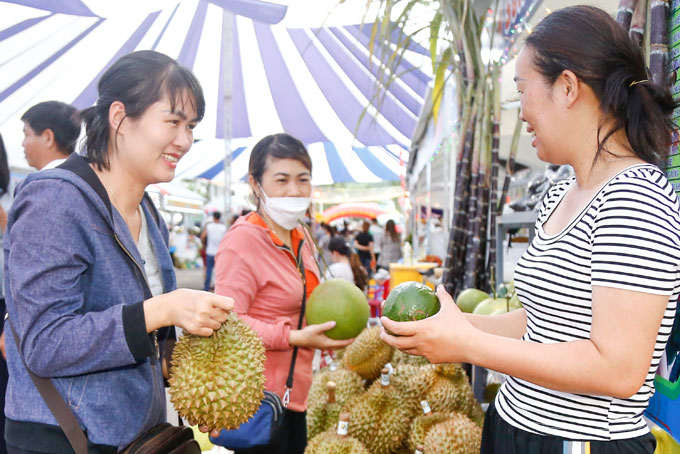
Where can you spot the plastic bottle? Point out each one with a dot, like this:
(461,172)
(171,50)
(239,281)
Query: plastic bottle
(407,252)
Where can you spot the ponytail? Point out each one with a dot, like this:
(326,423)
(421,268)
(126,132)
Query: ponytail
(358,271)
(96,135)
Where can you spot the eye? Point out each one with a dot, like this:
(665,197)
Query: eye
(192,126)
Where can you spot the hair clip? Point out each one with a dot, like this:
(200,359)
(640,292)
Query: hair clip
(635,82)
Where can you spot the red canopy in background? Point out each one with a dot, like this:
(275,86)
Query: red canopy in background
(352,210)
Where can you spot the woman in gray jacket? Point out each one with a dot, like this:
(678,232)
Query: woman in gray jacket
(89,283)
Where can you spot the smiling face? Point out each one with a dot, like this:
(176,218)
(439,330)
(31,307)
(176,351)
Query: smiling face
(542,108)
(149,147)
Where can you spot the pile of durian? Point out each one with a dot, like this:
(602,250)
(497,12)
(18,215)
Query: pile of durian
(395,404)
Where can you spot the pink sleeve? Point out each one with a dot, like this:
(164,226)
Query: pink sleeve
(235,278)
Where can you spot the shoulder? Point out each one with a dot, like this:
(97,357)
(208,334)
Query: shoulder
(643,185)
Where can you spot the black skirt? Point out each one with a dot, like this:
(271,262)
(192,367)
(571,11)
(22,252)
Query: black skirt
(499,437)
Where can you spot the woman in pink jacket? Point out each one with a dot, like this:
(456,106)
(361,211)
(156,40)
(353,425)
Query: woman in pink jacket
(259,265)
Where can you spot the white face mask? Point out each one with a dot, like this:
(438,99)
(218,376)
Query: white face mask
(285,211)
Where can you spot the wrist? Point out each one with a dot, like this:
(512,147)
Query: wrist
(156,314)
(294,338)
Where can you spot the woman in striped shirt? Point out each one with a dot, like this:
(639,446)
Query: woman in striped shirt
(601,279)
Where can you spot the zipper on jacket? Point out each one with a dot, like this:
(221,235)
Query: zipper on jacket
(155,332)
(297,259)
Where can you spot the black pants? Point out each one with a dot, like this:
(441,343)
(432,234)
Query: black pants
(293,434)
(499,437)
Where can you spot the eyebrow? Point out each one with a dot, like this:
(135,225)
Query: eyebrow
(180,114)
(284,174)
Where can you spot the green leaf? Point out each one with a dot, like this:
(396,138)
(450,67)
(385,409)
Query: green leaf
(434,38)
(439,79)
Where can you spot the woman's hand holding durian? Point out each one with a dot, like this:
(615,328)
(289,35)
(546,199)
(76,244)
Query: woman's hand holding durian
(195,311)
(313,336)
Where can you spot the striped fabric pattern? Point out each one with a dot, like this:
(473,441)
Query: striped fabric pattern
(627,237)
(315,83)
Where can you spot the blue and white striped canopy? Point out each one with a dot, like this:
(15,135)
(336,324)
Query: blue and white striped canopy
(317,84)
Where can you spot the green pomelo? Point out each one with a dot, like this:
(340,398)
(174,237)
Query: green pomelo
(495,306)
(342,302)
(470,298)
(410,301)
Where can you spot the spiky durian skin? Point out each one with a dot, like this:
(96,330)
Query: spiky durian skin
(400,357)
(218,381)
(367,354)
(456,435)
(331,443)
(380,418)
(421,425)
(322,417)
(348,384)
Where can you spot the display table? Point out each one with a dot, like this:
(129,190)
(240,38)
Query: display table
(402,273)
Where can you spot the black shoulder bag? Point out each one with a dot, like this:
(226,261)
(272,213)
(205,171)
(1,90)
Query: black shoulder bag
(161,439)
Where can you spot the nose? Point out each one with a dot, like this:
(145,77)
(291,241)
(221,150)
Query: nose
(184,139)
(521,115)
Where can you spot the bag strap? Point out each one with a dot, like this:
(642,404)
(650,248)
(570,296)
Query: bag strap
(301,269)
(57,405)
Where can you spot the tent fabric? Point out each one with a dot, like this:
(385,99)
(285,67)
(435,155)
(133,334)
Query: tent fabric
(357,164)
(318,84)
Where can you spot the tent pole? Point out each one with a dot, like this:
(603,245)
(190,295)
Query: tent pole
(227,71)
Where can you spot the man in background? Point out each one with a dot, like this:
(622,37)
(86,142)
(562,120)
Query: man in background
(212,235)
(50,134)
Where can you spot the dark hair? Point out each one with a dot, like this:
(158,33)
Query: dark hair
(588,42)
(340,245)
(217,215)
(391,230)
(278,146)
(58,117)
(138,80)
(4,168)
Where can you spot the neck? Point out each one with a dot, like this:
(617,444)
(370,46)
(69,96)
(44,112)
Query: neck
(282,233)
(124,191)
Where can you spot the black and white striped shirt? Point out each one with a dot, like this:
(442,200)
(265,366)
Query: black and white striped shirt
(627,237)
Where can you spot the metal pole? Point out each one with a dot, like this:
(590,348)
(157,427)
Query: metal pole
(227,71)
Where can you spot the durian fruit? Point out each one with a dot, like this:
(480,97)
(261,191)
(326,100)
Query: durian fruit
(380,417)
(322,417)
(456,435)
(449,390)
(338,442)
(422,424)
(218,381)
(348,383)
(367,354)
(413,381)
(400,358)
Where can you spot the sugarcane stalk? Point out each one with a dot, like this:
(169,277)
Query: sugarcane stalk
(457,233)
(658,55)
(510,164)
(475,268)
(637,25)
(493,187)
(624,14)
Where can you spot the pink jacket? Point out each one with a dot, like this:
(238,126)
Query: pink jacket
(267,290)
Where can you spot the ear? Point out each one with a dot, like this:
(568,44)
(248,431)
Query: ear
(569,87)
(48,138)
(253,186)
(116,116)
